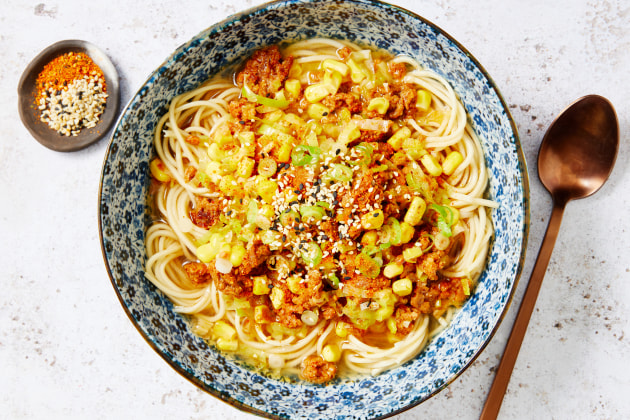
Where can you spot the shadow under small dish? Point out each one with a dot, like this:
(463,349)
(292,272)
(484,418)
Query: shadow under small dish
(30,113)
(124,214)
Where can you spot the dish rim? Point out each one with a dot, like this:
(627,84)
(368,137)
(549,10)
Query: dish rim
(524,177)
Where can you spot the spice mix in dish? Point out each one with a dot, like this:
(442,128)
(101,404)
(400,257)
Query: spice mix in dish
(71,93)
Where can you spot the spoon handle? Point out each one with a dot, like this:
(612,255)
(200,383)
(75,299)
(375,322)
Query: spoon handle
(504,371)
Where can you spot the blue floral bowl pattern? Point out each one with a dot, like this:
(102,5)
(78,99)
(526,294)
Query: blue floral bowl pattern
(123,212)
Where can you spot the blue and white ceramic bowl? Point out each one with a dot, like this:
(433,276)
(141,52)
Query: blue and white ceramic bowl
(123,211)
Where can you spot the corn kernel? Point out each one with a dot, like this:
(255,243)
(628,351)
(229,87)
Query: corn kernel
(208,251)
(411,143)
(373,219)
(344,115)
(341,329)
(349,133)
(357,74)
(369,238)
(392,270)
(454,216)
(416,210)
(224,250)
(295,71)
(159,171)
(284,152)
(237,253)
(205,253)
(294,120)
(315,92)
(293,86)
(260,286)
(277,297)
(311,139)
(406,232)
(262,314)
(266,189)
(229,186)
(411,254)
(222,134)
(267,211)
(402,287)
(452,161)
(431,165)
(391,325)
(379,105)
(335,65)
(423,101)
(331,353)
(246,137)
(332,81)
(466,283)
(317,111)
(399,136)
(246,168)
(222,329)
(293,283)
(227,345)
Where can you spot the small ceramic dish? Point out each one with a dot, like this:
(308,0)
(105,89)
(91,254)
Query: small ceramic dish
(124,214)
(30,114)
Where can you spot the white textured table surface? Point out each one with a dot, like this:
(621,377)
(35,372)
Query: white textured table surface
(67,349)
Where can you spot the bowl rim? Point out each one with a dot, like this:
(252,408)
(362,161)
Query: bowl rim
(522,165)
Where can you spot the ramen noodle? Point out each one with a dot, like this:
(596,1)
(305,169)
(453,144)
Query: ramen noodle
(321,211)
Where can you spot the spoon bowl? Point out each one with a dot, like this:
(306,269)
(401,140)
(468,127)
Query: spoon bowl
(578,151)
(576,157)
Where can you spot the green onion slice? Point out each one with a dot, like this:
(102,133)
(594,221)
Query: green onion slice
(253,97)
(392,231)
(384,246)
(334,280)
(367,265)
(379,168)
(289,218)
(427,235)
(311,254)
(305,155)
(252,211)
(314,212)
(365,151)
(235,226)
(202,178)
(340,172)
(203,239)
(370,249)
(445,219)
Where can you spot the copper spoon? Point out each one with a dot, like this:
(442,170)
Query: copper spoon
(575,158)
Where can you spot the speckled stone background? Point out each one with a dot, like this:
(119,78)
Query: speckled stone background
(67,349)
